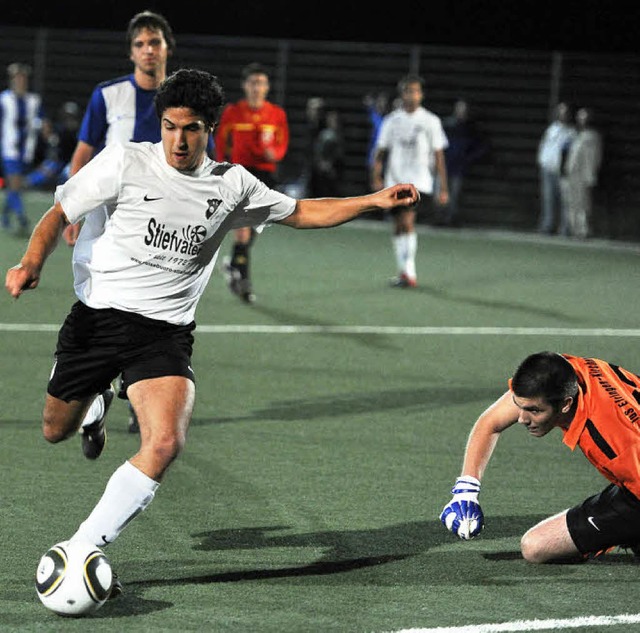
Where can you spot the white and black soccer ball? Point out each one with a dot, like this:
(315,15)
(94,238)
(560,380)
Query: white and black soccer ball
(74,578)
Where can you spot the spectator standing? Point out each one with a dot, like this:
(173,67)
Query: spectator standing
(327,167)
(21,120)
(410,145)
(580,174)
(254,133)
(466,147)
(377,107)
(552,148)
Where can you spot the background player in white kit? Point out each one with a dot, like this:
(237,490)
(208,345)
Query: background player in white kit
(409,147)
(139,281)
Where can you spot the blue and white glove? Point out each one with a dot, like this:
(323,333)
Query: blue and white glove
(463,514)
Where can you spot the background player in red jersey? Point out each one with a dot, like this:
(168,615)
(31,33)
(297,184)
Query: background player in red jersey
(254,133)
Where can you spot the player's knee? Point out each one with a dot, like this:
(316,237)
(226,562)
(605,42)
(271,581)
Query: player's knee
(53,431)
(167,448)
(532,548)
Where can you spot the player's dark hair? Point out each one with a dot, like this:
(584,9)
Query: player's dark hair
(254,68)
(545,375)
(153,22)
(191,88)
(411,78)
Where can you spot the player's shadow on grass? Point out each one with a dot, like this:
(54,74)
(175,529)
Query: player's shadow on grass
(346,553)
(287,317)
(526,308)
(426,398)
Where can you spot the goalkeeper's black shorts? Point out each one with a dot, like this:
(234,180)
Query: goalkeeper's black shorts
(96,346)
(609,518)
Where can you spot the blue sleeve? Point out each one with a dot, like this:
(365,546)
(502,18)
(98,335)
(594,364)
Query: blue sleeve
(94,123)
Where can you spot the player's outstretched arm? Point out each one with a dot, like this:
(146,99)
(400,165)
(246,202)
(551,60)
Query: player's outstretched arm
(317,213)
(45,236)
(463,515)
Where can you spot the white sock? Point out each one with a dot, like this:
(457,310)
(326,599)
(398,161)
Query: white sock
(411,250)
(129,491)
(95,411)
(400,250)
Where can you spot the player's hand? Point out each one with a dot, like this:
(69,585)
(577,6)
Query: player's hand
(443,197)
(21,278)
(399,196)
(463,514)
(70,233)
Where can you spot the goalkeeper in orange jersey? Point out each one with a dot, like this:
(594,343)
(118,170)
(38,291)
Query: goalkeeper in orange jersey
(595,404)
(254,133)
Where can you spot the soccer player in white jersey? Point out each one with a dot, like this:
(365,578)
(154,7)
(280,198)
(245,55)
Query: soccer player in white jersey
(21,119)
(121,110)
(410,145)
(138,282)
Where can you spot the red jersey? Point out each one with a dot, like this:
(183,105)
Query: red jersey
(606,423)
(244,133)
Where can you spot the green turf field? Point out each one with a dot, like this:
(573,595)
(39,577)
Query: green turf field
(325,442)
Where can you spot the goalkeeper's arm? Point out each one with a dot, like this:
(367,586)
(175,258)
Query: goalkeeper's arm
(463,515)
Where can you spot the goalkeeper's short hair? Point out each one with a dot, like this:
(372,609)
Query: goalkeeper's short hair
(545,375)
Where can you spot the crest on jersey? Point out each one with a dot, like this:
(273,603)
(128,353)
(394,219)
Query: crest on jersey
(213,203)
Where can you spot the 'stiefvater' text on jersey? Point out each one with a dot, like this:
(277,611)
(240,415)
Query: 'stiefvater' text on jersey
(157,249)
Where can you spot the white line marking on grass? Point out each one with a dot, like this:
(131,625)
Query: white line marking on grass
(534,625)
(371,329)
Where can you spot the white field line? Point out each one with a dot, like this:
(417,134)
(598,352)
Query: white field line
(371,329)
(535,625)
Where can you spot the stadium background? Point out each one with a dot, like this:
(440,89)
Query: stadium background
(511,65)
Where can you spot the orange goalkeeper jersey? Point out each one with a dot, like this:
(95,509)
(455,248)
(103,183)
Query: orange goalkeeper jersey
(244,133)
(606,423)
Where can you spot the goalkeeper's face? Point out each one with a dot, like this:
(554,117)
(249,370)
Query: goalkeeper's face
(539,416)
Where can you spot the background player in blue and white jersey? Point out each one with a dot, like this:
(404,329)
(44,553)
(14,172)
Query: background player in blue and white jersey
(138,283)
(21,118)
(122,110)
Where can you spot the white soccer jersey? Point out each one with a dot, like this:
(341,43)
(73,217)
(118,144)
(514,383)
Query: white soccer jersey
(157,249)
(411,139)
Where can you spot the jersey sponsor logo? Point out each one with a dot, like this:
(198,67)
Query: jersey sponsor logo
(148,199)
(186,241)
(213,207)
(590,520)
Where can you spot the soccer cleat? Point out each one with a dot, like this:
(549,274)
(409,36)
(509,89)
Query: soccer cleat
(94,435)
(244,291)
(403,281)
(237,285)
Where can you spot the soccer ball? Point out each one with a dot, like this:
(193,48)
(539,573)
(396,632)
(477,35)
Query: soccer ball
(74,578)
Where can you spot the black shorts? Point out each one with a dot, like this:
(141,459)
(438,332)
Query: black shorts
(609,518)
(96,346)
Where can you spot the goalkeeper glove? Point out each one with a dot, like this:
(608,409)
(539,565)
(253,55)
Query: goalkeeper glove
(463,514)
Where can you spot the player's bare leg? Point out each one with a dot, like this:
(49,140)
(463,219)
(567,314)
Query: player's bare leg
(60,419)
(549,541)
(163,406)
(405,246)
